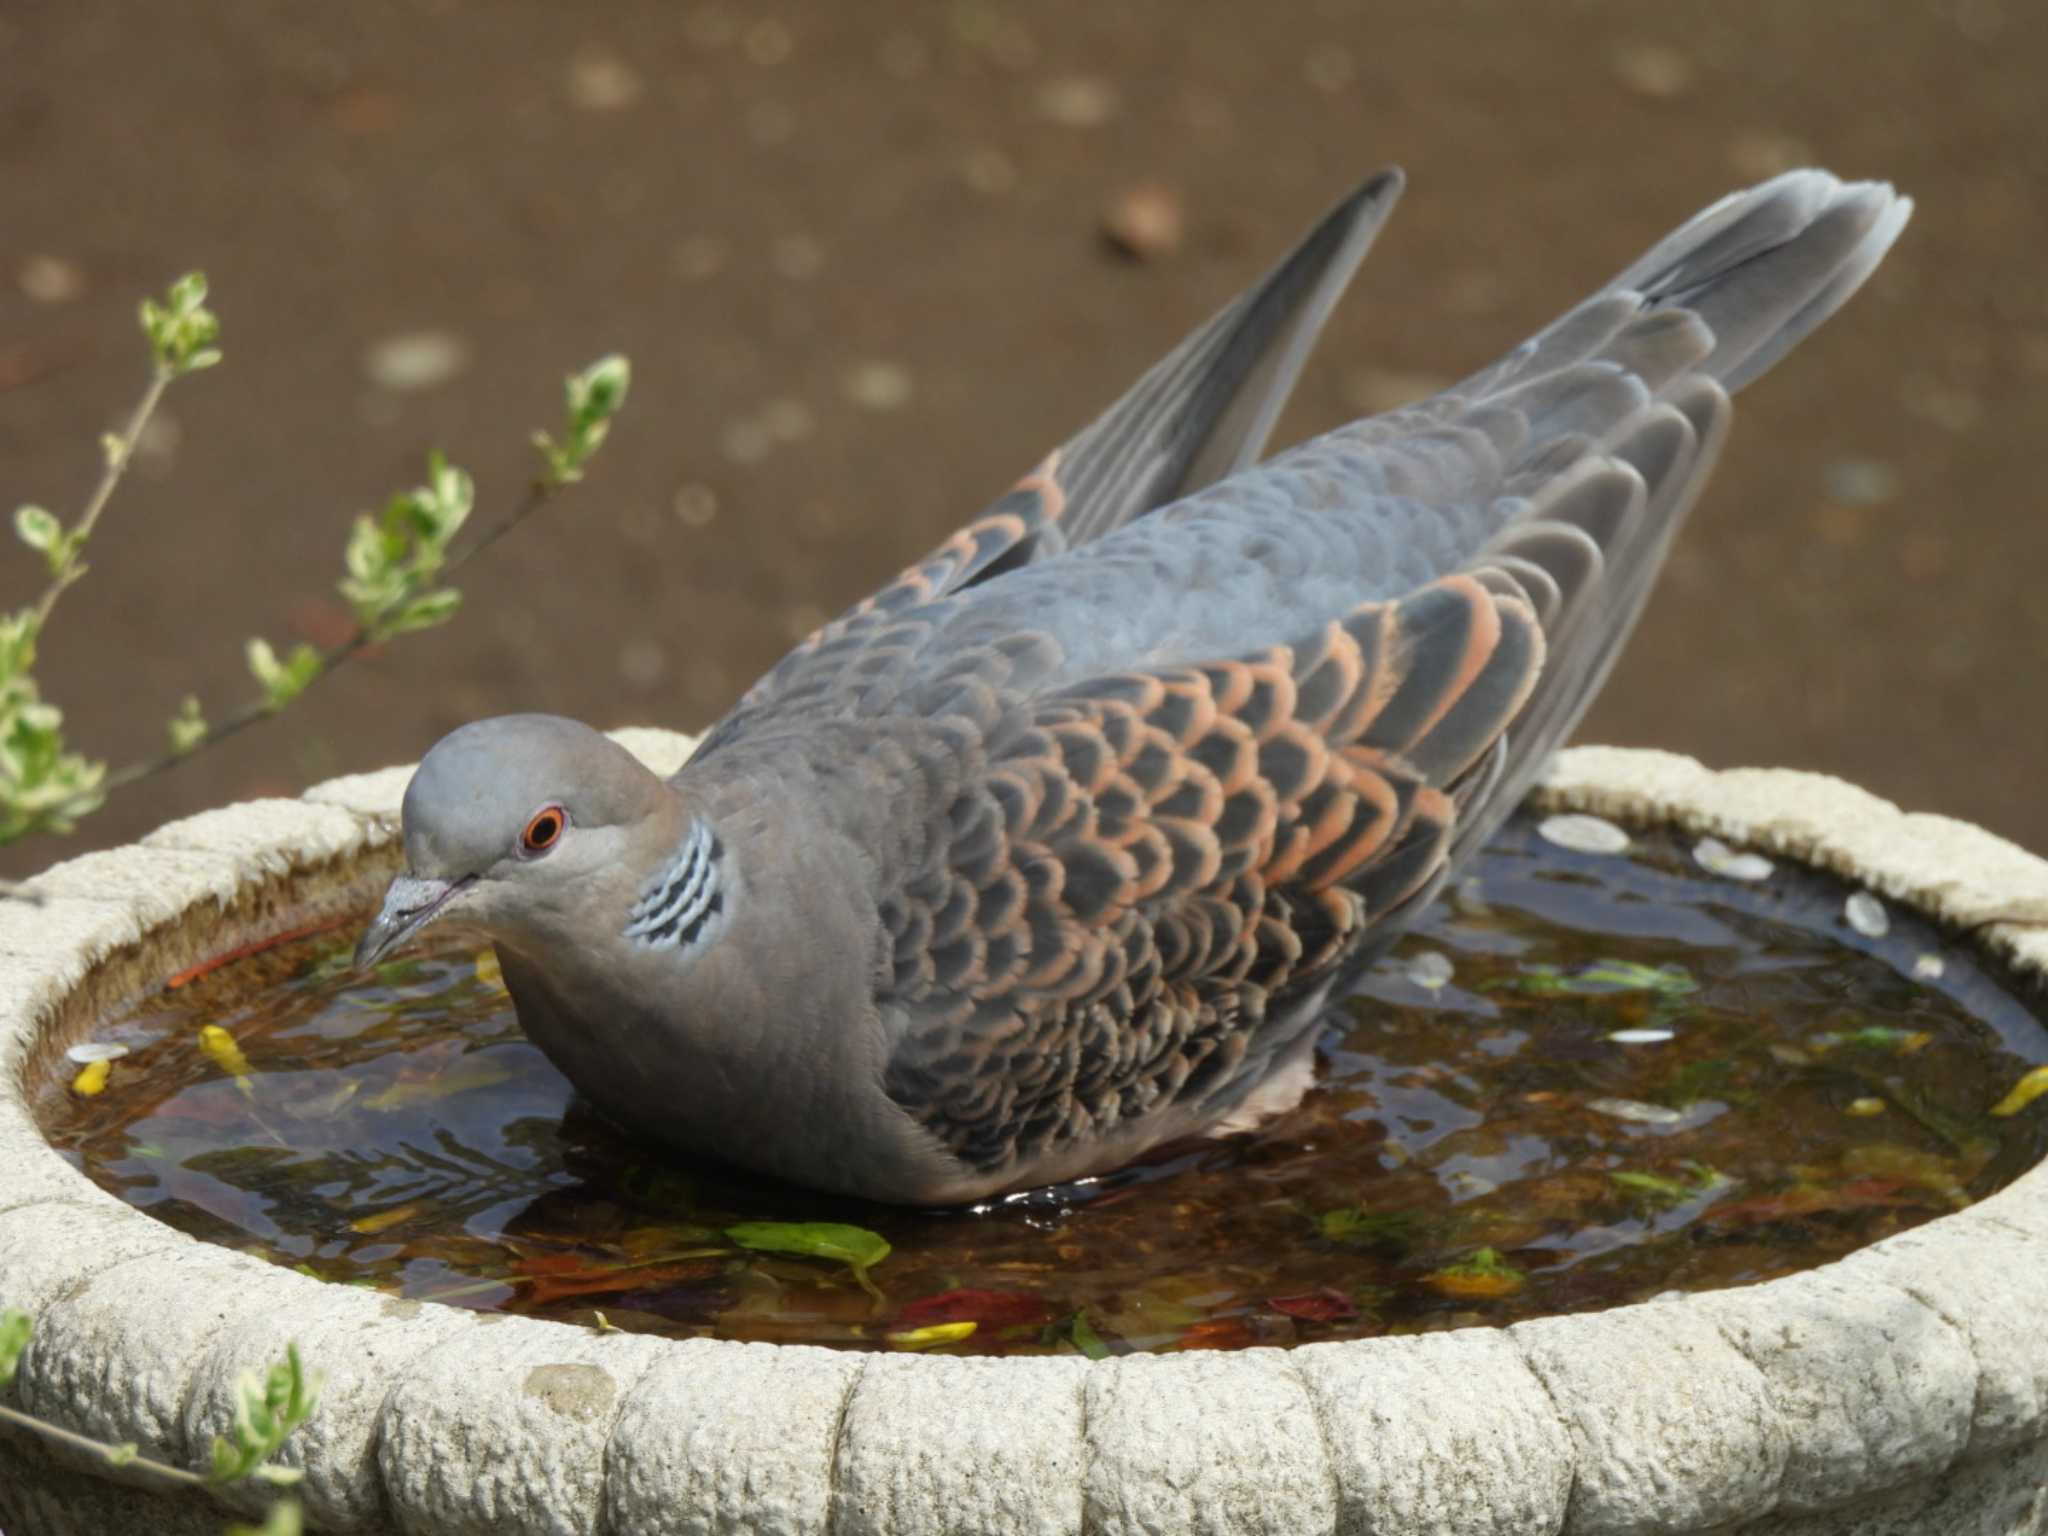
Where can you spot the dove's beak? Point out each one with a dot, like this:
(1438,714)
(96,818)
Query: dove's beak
(409,906)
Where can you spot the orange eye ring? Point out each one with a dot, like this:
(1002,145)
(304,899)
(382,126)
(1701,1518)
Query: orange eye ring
(544,830)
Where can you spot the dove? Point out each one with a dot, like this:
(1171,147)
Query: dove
(1057,848)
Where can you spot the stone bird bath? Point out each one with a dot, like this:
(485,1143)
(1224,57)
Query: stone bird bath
(1903,1389)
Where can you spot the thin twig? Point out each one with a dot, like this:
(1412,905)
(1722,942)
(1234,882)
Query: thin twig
(98,1448)
(538,494)
(110,477)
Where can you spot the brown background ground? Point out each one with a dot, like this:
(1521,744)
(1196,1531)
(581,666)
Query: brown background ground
(761,200)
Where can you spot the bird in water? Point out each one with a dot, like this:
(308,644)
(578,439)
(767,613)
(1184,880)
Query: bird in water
(1053,850)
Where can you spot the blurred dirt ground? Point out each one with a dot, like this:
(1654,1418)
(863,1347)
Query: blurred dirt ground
(857,256)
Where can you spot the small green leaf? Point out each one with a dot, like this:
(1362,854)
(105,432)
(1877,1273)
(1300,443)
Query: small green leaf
(855,1247)
(15,1327)
(1086,1339)
(187,726)
(423,612)
(282,680)
(38,529)
(120,1455)
(182,330)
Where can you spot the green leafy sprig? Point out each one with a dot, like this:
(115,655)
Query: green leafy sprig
(397,562)
(268,1407)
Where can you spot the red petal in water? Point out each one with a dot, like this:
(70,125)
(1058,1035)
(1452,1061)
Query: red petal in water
(1217,1333)
(1324,1306)
(991,1309)
(552,1277)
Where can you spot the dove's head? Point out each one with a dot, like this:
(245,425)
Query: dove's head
(511,821)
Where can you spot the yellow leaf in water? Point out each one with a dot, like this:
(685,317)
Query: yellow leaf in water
(2024,1092)
(1866,1106)
(222,1051)
(92,1078)
(464,1075)
(384,1221)
(932,1337)
(487,970)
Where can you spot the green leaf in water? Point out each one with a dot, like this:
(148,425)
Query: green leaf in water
(1875,1037)
(1631,976)
(1356,1227)
(1660,1190)
(1086,1339)
(855,1247)
(1601,977)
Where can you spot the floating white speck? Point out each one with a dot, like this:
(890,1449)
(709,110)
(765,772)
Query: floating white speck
(1636,1110)
(89,1051)
(1642,1036)
(1430,971)
(416,360)
(878,386)
(1717,858)
(1583,834)
(1866,914)
(1929,967)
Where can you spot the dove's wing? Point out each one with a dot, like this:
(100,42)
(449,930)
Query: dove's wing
(1203,411)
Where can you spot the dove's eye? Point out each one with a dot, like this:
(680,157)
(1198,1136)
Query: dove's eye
(544,830)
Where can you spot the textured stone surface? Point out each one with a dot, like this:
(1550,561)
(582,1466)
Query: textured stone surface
(1990,1282)
(49,1251)
(1874,1387)
(1671,1427)
(730,1440)
(501,1429)
(60,939)
(29,1175)
(2001,1495)
(1009,1459)
(115,1358)
(375,796)
(1205,1445)
(1442,1433)
(156,884)
(268,838)
(662,751)
(360,1343)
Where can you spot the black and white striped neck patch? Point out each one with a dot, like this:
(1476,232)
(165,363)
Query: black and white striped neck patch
(682,904)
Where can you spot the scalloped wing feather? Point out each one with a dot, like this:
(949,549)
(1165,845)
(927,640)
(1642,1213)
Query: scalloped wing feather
(1152,860)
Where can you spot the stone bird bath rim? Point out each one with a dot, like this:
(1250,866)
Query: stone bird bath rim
(1903,1388)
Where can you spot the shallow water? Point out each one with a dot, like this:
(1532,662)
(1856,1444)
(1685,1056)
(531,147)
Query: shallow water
(1584,1080)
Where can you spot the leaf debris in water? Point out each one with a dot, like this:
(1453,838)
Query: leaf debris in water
(855,1247)
(1635,1110)
(1583,834)
(1430,971)
(931,1336)
(1866,914)
(1717,858)
(2024,1092)
(92,1078)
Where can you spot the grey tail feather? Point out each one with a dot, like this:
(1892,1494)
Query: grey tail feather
(1206,409)
(1624,403)
(1764,268)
